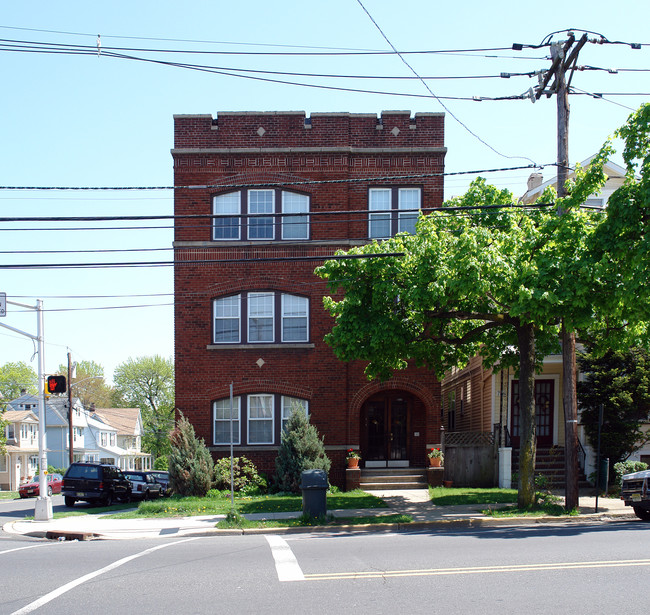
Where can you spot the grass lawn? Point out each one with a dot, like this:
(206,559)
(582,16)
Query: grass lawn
(278,503)
(9,495)
(452,496)
(306,522)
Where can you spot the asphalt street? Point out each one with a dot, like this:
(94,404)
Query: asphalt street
(577,567)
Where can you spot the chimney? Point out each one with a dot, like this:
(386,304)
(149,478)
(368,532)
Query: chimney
(535,180)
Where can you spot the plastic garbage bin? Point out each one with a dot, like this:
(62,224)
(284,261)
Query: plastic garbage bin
(313,484)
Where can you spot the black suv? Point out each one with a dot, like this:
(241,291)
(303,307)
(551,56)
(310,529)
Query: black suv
(95,483)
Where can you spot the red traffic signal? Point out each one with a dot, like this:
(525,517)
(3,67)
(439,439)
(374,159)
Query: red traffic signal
(55,384)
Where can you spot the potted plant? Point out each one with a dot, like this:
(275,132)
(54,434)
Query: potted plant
(353,458)
(436,457)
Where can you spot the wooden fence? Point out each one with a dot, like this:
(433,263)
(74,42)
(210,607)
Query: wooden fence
(471,458)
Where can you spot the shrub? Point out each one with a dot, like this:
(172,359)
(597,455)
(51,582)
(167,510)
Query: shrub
(301,449)
(246,477)
(627,467)
(190,464)
(161,463)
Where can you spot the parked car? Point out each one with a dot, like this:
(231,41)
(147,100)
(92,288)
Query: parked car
(162,476)
(95,483)
(635,492)
(54,484)
(143,485)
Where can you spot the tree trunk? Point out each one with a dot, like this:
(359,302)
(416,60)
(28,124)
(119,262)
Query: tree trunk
(527,431)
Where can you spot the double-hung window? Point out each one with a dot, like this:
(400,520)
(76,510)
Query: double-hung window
(289,405)
(392,210)
(223,423)
(260,214)
(260,419)
(260,317)
(266,416)
(268,317)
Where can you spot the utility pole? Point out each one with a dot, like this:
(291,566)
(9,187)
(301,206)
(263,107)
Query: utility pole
(564,59)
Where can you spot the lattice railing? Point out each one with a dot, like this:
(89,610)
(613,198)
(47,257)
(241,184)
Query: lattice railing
(469,438)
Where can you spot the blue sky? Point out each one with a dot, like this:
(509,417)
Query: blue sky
(89,120)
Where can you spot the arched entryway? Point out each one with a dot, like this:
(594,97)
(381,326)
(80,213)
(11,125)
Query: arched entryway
(385,429)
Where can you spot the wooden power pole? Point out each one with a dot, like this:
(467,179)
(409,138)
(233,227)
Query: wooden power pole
(564,57)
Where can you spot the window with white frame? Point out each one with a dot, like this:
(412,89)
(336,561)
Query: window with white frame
(269,317)
(103,438)
(291,404)
(260,419)
(77,433)
(112,439)
(222,421)
(11,431)
(32,464)
(392,210)
(260,214)
(266,416)
(3,463)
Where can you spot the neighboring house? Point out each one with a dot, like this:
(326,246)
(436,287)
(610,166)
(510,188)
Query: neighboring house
(475,399)
(94,437)
(128,422)
(261,199)
(20,463)
(615,177)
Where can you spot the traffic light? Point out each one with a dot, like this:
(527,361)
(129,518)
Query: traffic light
(55,384)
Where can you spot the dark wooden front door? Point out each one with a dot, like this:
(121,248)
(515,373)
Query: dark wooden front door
(544,410)
(386,429)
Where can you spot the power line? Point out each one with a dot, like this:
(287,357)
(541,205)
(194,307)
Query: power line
(439,99)
(307,182)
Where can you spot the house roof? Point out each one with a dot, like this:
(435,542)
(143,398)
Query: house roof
(612,170)
(19,416)
(125,420)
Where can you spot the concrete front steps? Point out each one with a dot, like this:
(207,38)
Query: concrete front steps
(393,478)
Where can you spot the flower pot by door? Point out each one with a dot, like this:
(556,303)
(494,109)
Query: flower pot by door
(434,462)
(447,483)
(353,462)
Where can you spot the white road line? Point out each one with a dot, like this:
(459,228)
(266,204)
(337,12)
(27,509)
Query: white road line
(286,563)
(22,548)
(91,575)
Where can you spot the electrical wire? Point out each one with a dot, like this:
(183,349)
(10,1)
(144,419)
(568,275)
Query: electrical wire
(311,182)
(439,99)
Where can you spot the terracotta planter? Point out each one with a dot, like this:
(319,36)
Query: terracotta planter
(447,483)
(353,462)
(435,462)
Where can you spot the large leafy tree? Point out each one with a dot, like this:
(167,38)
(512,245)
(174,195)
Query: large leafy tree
(483,276)
(14,378)
(620,381)
(89,384)
(148,383)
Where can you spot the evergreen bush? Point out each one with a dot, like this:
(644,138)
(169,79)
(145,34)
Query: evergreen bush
(190,463)
(245,475)
(301,449)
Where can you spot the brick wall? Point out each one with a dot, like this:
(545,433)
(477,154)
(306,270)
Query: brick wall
(240,149)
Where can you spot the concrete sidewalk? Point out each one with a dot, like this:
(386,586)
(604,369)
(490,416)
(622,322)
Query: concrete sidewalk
(414,503)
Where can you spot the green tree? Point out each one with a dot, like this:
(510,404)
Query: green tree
(620,381)
(190,464)
(89,384)
(148,383)
(301,449)
(15,377)
(484,276)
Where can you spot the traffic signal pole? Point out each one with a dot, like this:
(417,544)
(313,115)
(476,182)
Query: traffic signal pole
(43,509)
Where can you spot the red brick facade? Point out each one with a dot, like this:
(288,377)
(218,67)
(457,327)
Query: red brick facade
(333,159)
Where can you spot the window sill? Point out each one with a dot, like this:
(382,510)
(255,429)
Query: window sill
(298,346)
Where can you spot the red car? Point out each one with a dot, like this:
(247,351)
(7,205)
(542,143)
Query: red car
(54,484)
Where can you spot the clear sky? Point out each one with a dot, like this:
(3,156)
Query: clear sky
(94,120)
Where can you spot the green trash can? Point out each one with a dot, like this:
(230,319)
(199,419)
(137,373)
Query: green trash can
(313,484)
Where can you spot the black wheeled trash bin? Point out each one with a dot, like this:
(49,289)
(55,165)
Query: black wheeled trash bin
(314,492)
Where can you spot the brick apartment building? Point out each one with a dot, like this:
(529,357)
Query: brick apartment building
(261,199)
